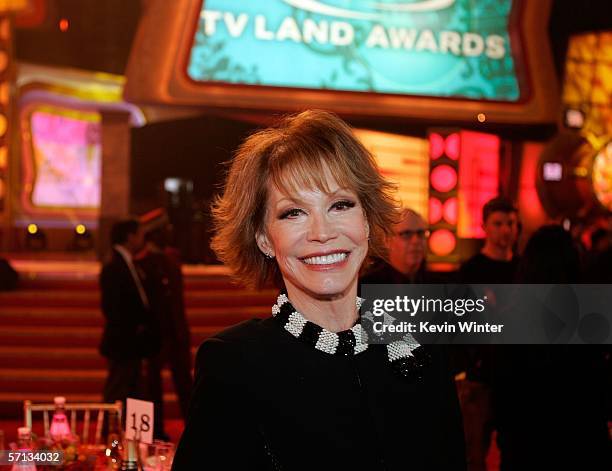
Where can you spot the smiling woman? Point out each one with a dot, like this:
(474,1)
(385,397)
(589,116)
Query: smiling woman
(304,205)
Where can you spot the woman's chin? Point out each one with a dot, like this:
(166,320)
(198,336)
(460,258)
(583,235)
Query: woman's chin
(329,286)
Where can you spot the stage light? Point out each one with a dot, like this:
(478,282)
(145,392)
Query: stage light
(442,242)
(443,178)
(552,172)
(452,146)
(35,238)
(481,117)
(574,118)
(64,25)
(451,210)
(436,145)
(82,239)
(443,189)
(435,210)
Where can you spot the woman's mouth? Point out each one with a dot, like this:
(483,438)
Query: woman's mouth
(325,262)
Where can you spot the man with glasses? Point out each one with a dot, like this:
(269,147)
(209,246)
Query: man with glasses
(407,250)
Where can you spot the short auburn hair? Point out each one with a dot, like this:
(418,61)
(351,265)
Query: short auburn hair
(294,154)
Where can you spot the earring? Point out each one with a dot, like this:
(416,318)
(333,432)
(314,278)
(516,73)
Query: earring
(268,255)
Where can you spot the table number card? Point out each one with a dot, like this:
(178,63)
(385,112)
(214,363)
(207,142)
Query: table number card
(139,421)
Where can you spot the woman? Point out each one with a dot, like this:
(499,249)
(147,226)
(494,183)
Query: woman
(304,205)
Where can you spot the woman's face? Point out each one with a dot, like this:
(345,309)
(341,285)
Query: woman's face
(319,240)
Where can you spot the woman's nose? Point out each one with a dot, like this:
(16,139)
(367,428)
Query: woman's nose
(321,229)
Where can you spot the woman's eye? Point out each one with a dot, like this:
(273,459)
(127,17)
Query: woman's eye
(343,205)
(291,213)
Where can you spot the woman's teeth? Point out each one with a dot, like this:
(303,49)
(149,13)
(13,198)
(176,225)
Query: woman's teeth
(326,259)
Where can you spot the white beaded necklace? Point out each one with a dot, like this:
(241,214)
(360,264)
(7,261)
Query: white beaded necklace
(407,357)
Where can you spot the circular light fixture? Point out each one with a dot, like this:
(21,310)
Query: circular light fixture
(443,178)
(435,210)
(442,242)
(450,210)
(436,146)
(453,146)
(32,229)
(64,25)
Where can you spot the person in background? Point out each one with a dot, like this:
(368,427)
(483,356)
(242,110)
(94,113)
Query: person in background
(496,263)
(551,399)
(9,278)
(131,332)
(164,287)
(407,249)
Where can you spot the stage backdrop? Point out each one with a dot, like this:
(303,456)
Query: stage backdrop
(437,59)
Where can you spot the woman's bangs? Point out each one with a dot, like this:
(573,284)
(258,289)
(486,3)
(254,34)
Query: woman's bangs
(297,173)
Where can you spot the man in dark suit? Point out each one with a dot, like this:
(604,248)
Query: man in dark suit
(132,332)
(163,284)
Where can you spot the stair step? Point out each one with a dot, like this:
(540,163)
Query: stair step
(51,329)
(63,382)
(37,357)
(87,317)
(77,336)
(78,298)
(91,283)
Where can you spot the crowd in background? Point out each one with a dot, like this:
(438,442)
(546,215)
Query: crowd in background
(549,404)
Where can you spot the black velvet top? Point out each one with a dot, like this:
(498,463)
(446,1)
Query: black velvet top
(266,400)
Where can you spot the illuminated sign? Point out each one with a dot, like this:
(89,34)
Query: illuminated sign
(404,161)
(64,166)
(438,48)
(464,61)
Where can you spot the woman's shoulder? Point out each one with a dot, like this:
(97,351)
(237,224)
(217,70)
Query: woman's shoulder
(250,330)
(240,336)
(230,353)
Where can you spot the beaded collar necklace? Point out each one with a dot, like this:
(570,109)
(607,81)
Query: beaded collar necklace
(406,357)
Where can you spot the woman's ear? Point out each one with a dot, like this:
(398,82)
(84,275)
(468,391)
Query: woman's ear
(264,244)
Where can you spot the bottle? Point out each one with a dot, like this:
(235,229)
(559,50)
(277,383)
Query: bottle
(24,445)
(130,459)
(59,424)
(114,443)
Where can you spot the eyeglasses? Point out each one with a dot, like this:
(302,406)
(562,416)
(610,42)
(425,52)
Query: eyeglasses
(408,234)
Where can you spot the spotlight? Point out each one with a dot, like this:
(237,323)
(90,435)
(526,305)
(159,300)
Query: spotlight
(82,239)
(35,238)
(574,118)
(64,25)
